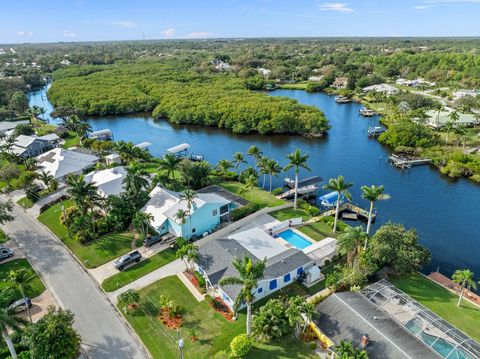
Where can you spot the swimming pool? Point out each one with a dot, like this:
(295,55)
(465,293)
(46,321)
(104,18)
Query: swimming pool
(295,239)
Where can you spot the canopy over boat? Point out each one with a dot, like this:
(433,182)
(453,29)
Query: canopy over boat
(178,148)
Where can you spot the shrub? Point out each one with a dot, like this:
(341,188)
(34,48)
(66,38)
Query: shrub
(277,191)
(241,345)
(312,345)
(244,211)
(201,280)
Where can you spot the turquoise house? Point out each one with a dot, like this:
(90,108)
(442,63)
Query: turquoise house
(207,212)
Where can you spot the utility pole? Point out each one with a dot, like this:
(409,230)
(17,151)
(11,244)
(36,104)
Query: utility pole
(180,343)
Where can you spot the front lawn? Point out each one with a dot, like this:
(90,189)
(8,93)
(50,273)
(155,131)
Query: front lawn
(214,331)
(443,302)
(139,270)
(25,202)
(261,197)
(103,250)
(33,288)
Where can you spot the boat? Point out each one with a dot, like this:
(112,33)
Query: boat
(196,158)
(375,131)
(367,112)
(343,99)
(329,200)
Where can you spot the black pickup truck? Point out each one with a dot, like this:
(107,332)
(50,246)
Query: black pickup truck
(127,259)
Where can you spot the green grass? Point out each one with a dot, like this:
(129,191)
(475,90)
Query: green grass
(33,288)
(214,332)
(317,231)
(443,302)
(295,86)
(288,213)
(72,139)
(25,202)
(263,198)
(139,270)
(103,250)
(3,237)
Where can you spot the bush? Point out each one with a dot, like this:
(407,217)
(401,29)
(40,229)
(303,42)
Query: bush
(239,213)
(277,191)
(201,280)
(241,345)
(313,345)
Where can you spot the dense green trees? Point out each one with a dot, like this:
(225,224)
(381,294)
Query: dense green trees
(183,97)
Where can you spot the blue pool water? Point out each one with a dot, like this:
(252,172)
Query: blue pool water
(294,239)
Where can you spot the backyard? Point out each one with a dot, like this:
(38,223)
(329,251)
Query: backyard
(214,331)
(261,197)
(33,288)
(103,250)
(139,270)
(442,302)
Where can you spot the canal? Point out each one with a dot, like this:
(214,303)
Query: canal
(444,212)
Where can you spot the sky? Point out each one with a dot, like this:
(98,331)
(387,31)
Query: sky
(97,20)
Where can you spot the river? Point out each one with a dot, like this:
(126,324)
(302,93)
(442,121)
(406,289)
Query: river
(445,212)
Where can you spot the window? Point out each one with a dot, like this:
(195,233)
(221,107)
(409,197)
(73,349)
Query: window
(193,230)
(286,278)
(214,212)
(260,290)
(299,271)
(224,209)
(273,284)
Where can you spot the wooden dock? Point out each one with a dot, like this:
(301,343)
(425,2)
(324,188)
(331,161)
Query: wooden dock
(305,191)
(301,183)
(402,162)
(361,213)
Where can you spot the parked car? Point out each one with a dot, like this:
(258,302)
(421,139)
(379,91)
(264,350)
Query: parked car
(150,241)
(5,252)
(20,305)
(127,259)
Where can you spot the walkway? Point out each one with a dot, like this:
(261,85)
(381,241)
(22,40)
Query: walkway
(172,268)
(198,296)
(51,197)
(107,270)
(104,334)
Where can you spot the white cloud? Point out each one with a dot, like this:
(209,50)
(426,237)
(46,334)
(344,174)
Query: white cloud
(334,6)
(422,7)
(69,34)
(127,24)
(199,35)
(168,32)
(25,33)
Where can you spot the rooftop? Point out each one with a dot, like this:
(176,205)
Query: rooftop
(60,162)
(108,181)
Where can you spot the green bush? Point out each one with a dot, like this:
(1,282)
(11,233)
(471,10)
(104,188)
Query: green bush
(201,281)
(241,345)
(244,211)
(277,191)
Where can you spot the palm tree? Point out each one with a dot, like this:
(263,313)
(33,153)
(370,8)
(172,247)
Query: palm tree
(141,222)
(351,242)
(238,159)
(448,127)
(297,161)
(464,277)
(8,319)
(250,183)
(340,186)
(372,194)
(182,216)
(454,116)
(136,180)
(462,133)
(273,168)
(262,166)
(299,311)
(46,178)
(255,152)
(224,165)
(188,253)
(189,196)
(249,275)
(20,278)
(169,163)
(83,194)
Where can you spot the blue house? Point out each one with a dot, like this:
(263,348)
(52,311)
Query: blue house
(206,213)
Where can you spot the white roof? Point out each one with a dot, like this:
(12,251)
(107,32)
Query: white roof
(259,243)
(9,125)
(50,137)
(178,148)
(143,145)
(24,140)
(60,162)
(386,88)
(113,156)
(165,204)
(108,181)
(320,250)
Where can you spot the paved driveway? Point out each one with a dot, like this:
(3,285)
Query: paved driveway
(103,332)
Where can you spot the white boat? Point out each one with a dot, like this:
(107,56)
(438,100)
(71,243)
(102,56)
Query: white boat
(367,112)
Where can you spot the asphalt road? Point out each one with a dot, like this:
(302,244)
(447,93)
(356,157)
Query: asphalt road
(103,333)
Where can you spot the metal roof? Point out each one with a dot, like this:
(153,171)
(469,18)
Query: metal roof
(178,148)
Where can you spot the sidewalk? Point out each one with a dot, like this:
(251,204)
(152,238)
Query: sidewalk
(107,270)
(172,268)
(198,296)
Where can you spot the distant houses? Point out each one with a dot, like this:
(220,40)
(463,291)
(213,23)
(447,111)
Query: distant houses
(340,83)
(465,93)
(385,89)
(414,83)
(61,162)
(208,210)
(436,119)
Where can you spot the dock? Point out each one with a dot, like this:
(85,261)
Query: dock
(351,212)
(403,162)
(376,131)
(305,191)
(301,183)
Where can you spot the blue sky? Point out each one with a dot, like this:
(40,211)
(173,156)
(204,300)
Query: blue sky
(86,20)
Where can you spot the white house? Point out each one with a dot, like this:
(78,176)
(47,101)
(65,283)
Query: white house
(437,119)
(61,162)
(108,181)
(207,212)
(284,264)
(264,72)
(464,93)
(382,88)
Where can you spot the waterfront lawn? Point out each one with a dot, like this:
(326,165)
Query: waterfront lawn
(442,302)
(139,270)
(289,213)
(214,331)
(103,250)
(296,86)
(33,288)
(72,139)
(261,197)
(317,231)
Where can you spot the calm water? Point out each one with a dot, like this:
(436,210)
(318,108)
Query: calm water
(445,212)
